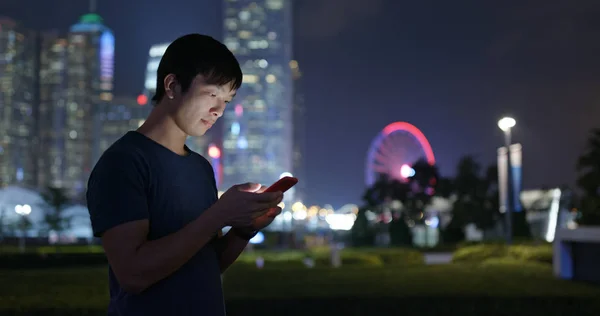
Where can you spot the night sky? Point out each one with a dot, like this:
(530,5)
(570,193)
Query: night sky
(452,68)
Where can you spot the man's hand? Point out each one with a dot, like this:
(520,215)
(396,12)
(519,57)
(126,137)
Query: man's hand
(264,218)
(243,203)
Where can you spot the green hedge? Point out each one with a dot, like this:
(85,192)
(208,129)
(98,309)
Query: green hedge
(70,256)
(372,257)
(46,261)
(522,253)
(63,249)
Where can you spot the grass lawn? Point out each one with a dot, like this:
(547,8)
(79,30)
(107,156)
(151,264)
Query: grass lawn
(467,289)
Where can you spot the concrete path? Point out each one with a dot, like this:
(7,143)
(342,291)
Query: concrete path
(438,257)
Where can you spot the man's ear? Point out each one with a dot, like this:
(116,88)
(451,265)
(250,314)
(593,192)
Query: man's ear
(170,84)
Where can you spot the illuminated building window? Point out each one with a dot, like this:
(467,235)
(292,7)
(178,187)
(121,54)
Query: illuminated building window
(150,83)
(232,44)
(258,44)
(263,63)
(235,128)
(274,4)
(244,34)
(244,15)
(106,96)
(158,50)
(229,144)
(259,105)
(250,79)
(242,143)
(271,78)
(231,24)
(153,65)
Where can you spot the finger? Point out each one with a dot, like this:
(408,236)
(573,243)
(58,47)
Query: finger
(272,212)
(268,197)
(259,213)
(249,187)
(261,189)
(265,206)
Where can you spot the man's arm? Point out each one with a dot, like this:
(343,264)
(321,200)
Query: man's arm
(229,248)
(139,263)
(117,203)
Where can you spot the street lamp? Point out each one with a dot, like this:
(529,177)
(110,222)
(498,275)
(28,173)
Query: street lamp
(506,124)
(23,211)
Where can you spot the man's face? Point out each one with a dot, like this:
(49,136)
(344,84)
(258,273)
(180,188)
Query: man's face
(201,106)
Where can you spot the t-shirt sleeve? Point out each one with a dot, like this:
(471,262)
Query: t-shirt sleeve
(116,191)
(211,171)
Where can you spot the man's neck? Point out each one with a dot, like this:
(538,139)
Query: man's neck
(160,127)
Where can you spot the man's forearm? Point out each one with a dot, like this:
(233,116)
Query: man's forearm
(229,249)
(156,259)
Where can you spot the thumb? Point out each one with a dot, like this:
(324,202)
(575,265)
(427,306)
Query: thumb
(249,187)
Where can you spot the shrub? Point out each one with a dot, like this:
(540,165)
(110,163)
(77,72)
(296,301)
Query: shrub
(45,261)
(521,253)
(371,257)
(398,256)
(541,253)
(479,253)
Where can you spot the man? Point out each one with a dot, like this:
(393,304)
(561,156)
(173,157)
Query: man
(154,202)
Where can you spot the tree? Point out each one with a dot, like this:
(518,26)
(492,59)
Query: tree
(588,166)
(476,194)
(490,213)
(445,187)
(420,189)
(362,233)
(400,233)
(55,203)
(2,224)
(414,193)
(385,190)
(476,200)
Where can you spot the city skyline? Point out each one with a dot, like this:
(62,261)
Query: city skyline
(453,82)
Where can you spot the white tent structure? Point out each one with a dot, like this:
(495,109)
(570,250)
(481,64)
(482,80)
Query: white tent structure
(13,198)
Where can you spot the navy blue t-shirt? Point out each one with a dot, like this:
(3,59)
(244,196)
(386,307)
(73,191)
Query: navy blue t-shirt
(135,179)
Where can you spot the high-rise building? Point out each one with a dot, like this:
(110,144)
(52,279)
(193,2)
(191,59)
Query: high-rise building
(154,55)
(17,98)
(90,64)
(258,142)
(121,115)
(51,156)
(299,165)
(197,144)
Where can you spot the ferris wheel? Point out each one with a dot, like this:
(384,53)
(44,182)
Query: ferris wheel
(394,150)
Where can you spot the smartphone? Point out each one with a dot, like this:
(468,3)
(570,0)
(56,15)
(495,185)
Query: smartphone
(282,184)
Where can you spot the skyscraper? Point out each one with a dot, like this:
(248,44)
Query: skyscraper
(89,89)
(52,109)
(116,118)
(154,55)
(17,97)
(258,125)
(299,164)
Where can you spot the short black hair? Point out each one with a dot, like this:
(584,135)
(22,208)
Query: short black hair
(196,54)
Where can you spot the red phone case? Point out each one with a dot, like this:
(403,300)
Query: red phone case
(282,184)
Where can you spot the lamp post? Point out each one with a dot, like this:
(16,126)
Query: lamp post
(23,211)
(506,124)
